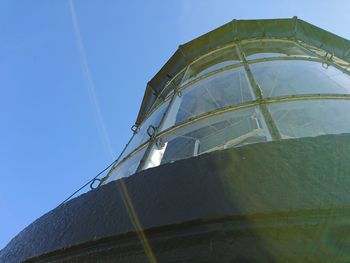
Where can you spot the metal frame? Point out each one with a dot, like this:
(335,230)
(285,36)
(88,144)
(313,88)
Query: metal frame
(152,141)
(272,129)
(313,57)
(260,100)
(232,109)
(243,30)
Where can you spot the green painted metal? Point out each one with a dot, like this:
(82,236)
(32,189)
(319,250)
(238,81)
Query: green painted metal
(293,29)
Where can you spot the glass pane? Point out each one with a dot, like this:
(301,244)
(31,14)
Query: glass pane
(281,78)
(128,167)
(264,49)
(211,62)
(230,129)
(142,135)
(310,118)
(230,87)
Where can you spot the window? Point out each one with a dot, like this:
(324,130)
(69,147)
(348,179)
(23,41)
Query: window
(230,87)
(230,129)
(211,62)
(142,136)
(127,167)
(281,78)
(310,118)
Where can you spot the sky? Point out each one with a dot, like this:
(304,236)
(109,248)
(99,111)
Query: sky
(73,74)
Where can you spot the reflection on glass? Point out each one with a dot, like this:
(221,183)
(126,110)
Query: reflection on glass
(128,167)
(265,49)
(231,129)
(211,86)
(224,89)
(142,135)
(310,118)
(211,62)
(280,78)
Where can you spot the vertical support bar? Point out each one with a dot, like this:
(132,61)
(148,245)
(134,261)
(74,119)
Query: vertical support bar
(295,19)
(271,126)
(164,117)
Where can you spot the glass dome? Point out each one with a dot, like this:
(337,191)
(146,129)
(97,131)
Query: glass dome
(249,91)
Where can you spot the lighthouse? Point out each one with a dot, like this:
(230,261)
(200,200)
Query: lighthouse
(240,152)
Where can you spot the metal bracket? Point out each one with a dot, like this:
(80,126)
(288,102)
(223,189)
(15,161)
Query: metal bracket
(134,128)
(151,131)
(92,183)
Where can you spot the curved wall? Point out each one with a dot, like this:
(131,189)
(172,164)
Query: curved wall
(284,201)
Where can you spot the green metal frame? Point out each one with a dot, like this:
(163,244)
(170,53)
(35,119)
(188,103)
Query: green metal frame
(232,35)
(241,30)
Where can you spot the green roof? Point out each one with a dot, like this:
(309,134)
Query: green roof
(237,30)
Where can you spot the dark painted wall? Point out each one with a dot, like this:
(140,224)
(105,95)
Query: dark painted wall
(269,178)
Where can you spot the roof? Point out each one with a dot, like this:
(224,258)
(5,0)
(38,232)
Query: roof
(236,30)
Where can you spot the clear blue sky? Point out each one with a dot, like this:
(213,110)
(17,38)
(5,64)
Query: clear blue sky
(53,136)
